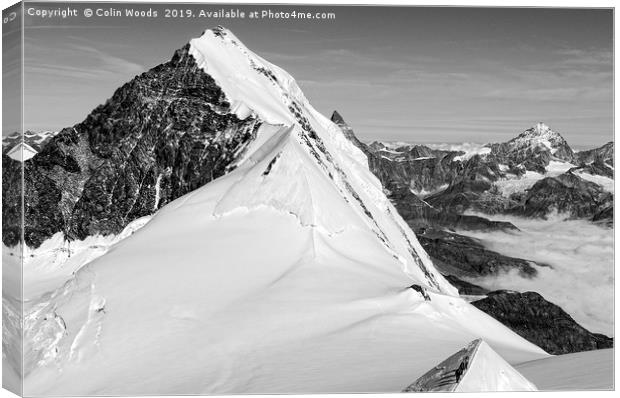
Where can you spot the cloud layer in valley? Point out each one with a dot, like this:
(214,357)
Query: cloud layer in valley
(581,277)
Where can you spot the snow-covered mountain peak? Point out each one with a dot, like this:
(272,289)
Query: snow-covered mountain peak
(249,81)
(541,136)
(300,162)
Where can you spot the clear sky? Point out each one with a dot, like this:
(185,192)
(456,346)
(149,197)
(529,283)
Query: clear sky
(410,74)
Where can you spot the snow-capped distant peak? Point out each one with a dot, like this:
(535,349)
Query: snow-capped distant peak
(542,136)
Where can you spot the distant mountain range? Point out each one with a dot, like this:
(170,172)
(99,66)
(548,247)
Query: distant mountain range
(35,140)
(533,175)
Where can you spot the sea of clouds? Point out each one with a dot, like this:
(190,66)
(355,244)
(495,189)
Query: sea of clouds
(581,256)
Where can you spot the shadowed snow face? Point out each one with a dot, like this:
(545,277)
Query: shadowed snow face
(581,254)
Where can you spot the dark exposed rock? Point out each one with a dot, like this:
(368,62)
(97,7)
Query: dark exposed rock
(445,376)
(603,154)
(12,173)
(541,322)
(165,133)
(478,172)
(566,194)
(419,214)
(464,256)
(271,164)
(465,287)
(473,188)
(418,168)
(422,291)
(597,167)
(605,216)
(477,194)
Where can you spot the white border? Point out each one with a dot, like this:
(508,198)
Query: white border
(472,3)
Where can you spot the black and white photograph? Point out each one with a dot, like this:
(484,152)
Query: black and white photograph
(204,198)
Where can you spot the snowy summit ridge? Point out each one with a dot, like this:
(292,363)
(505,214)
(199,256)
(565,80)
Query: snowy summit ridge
(291,273)
(253,84)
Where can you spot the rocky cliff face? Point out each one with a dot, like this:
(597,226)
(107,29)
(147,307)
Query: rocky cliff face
(604,154)
(460,255)
(466,288)
(163,134)
(605,217)
(421,215)
(419,168)
(566,194)
(541,322)
(12,188)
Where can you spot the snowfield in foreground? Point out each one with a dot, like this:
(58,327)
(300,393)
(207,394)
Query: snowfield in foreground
(589,370)
(290,274)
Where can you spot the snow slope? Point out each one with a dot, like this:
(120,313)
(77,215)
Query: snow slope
(290,274)
(475,368)
(589,370)
(54,262)
(487,371)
